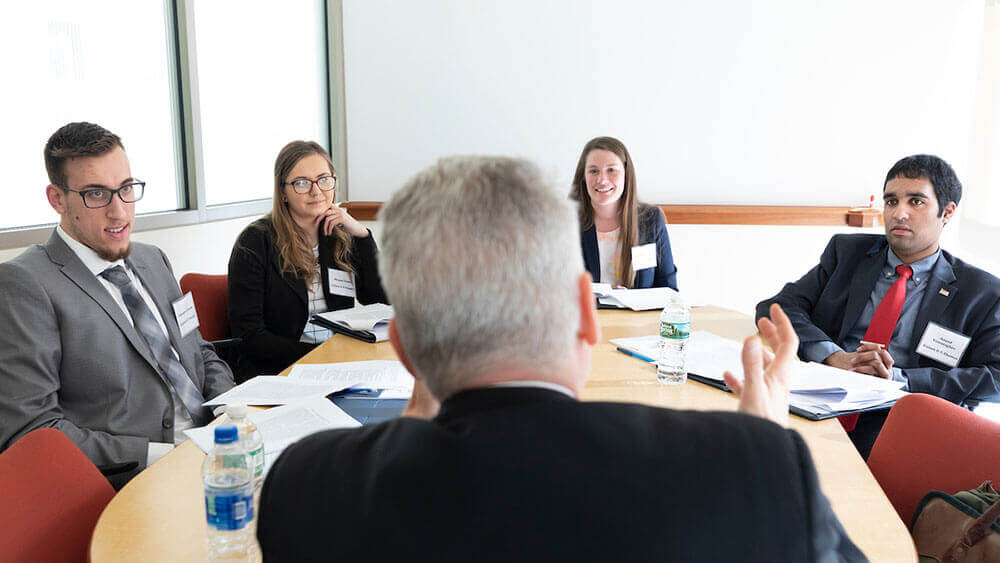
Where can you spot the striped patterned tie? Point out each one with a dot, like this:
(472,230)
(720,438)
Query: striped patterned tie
(147,326)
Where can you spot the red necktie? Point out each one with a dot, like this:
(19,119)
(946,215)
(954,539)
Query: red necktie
(887,314)
(884,323)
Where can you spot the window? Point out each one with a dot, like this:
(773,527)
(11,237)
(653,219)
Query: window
(262,83)
(108,63)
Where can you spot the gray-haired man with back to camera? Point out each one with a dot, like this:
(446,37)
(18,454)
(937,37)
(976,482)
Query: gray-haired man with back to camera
(495,459)
(91,344)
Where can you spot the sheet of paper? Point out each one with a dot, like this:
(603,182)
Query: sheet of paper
(648,299)
(372,374)
(284,425)
(275,390)
(600,289)
(364,317)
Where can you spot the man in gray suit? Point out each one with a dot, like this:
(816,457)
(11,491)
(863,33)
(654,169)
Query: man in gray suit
(92,344)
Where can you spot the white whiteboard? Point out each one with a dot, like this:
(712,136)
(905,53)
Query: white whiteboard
(796,102)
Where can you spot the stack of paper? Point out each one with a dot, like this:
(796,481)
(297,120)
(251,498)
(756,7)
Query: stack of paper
(365,322)
(817,390)
(282,426)
(648,299)
(275,390)
(374,374)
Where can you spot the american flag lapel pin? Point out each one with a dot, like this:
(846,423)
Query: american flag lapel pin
(944,292)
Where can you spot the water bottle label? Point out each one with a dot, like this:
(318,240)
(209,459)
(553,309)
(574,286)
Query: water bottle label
(258,461)
(230,509)
(675,331)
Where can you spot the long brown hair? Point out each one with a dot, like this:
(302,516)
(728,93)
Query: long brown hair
(296,254)
(628,215)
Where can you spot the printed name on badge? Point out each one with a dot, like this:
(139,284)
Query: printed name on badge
(187,317)
(644,256)
(341,283)
(943,345)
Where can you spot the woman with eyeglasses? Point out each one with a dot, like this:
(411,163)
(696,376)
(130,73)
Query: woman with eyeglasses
(306,256)
(624,242)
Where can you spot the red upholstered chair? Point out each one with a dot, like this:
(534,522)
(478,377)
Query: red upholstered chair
(211,296)
(928,443)
(51,496)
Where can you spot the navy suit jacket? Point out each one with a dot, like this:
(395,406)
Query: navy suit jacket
(827,302)
(652,229)
(527,474)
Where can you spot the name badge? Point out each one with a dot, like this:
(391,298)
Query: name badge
(341,283)
(644,256)
(943,345)
(187,317)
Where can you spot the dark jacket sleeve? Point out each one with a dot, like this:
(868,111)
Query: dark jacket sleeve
(251,283)
(666,272)
(364,258)
(798,299)
(829,541)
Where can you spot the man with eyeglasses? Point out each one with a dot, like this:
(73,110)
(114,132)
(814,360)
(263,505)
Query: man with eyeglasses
(96,343)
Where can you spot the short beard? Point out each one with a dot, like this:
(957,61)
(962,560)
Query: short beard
(114,256)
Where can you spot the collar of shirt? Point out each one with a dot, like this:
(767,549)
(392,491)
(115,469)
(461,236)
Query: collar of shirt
(539,384)
(921,268)
(90,259)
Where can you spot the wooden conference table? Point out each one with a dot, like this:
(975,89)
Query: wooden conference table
(160,515)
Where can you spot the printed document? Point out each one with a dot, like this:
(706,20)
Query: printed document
(275,390)
(373,374)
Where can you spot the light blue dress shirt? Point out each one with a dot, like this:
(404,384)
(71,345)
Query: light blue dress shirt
(901,346)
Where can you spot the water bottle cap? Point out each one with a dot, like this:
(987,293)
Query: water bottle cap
(225,434)
(236,411)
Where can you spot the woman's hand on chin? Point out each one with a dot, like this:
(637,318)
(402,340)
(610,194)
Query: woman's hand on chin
(338,218)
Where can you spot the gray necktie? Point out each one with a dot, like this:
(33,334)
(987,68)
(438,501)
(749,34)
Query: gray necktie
(147,326)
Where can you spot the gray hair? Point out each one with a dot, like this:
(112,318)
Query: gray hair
(480,261)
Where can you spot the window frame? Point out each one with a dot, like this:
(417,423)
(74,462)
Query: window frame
(183,75)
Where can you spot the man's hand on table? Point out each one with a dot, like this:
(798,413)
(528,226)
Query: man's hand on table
(869,359)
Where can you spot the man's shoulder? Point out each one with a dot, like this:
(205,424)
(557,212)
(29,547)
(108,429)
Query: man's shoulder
(968,274)
(147,253)
(862,242)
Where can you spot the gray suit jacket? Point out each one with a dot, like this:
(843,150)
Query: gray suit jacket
(70,359)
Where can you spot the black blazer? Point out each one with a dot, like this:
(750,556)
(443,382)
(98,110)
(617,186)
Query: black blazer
(527,474)
(652,229)
(269,309)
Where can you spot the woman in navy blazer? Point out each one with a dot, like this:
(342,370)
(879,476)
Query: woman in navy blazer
(306,256)
(625,242)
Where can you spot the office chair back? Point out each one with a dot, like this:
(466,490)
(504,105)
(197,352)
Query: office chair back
(52,496)
(211,296)
(928,443)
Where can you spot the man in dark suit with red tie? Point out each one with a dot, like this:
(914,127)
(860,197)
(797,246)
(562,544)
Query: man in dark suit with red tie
(495,318)
(898,306)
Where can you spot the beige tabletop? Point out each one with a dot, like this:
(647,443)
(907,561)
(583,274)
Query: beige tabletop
(160,515)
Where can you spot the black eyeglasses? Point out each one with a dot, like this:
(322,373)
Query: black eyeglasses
(304,185)
(95,198)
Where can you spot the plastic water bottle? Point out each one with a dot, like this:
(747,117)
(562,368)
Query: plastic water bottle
(227,474)
(675,331)
(252,441)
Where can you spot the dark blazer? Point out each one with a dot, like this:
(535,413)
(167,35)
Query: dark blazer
(70,358)
(652,229)
(268,309)
(527,474)
(827,302)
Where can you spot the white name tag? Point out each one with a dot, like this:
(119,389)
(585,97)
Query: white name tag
(341,283)
(644,256)
(187,317)
(943,345)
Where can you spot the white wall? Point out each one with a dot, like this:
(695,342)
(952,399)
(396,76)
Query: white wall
(795,102)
